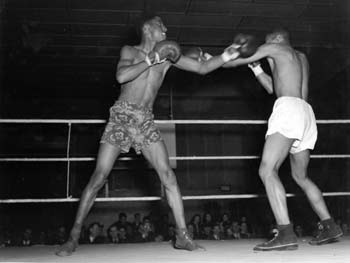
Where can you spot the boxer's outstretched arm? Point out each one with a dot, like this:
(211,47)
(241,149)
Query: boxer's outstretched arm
(200,67)
(126,69)
(263,51)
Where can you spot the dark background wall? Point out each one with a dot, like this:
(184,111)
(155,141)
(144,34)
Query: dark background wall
(58,60)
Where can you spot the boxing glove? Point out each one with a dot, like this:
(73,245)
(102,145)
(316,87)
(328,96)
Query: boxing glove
(243,46)
(162,51)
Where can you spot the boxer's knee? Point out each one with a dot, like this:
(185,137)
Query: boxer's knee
(267,170)
(300,177)
(168,177)
(98,180)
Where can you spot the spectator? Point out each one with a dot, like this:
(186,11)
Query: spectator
(207,220)
(217,234)
(26,238)
(299,231)
(137,222)
(146,230)
(207,232)
(112,234)
(225,222)
(244,230)
(190,230)
(60,236)
(122,221)
(197,226)
(42,238)
(171,233)
(345,228)
(229,233)
(162,226)
(95,234)
(236,230)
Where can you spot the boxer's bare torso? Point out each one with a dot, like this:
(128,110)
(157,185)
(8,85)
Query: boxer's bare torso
(144,88)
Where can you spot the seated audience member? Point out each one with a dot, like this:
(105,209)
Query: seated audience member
(26,238)
(146,230)
(123,236)
(345,228)
(60,236)
(225,222)
(94,234)
(113,234)
(207,232)
(236,230)
(190,230)
(228,234)
(299,231)
(217,234)
(136,223)
(197,226)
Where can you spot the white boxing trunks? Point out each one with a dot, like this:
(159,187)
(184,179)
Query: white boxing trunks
(294,118)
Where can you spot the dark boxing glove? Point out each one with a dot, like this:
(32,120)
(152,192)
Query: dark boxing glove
(247,45)
(164,50)
(243,46)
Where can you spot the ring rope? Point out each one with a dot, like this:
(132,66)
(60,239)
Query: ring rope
(178,158)
(155,198)
(85,121)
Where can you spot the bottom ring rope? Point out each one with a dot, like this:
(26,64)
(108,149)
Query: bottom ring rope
(154,198)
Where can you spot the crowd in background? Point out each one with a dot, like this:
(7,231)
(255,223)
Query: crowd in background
(149,229)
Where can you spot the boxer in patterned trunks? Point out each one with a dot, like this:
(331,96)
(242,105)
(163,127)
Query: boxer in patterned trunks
(291,130)
(141,71)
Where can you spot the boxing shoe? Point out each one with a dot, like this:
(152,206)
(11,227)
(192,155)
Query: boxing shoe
(67,248)
(328,232)
(284,239)
(184,241)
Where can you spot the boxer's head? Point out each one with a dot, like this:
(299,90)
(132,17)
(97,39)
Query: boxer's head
(278,36)
(153,28)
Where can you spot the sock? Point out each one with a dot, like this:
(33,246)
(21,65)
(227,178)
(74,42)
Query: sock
(288,229)
(327,222)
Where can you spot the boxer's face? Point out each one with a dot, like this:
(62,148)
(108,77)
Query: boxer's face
(157,29)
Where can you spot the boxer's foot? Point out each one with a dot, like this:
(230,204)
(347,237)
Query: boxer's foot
(328,232)
(184,241)
(285,239)
(67,248)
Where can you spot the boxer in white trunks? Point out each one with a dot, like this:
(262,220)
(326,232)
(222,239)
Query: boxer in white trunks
(291,130)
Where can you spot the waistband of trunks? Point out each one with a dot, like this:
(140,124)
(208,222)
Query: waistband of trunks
(124,103)
(290,98)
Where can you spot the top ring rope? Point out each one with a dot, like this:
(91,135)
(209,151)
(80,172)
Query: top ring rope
(82,121)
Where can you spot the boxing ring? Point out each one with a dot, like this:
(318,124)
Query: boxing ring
(216,251)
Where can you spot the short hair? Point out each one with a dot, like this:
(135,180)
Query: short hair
(283,32)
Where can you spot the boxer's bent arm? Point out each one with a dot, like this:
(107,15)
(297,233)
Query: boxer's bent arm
(200,67)
(266,81)
(126,70)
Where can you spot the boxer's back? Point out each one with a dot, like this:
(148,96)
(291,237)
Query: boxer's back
(287,70)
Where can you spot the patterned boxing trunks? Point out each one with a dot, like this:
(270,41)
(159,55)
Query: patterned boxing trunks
(130,125)
(294,118)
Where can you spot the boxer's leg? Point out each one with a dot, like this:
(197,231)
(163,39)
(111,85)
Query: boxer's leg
(106,157)
(156,153)
(275,151)
(329,231)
